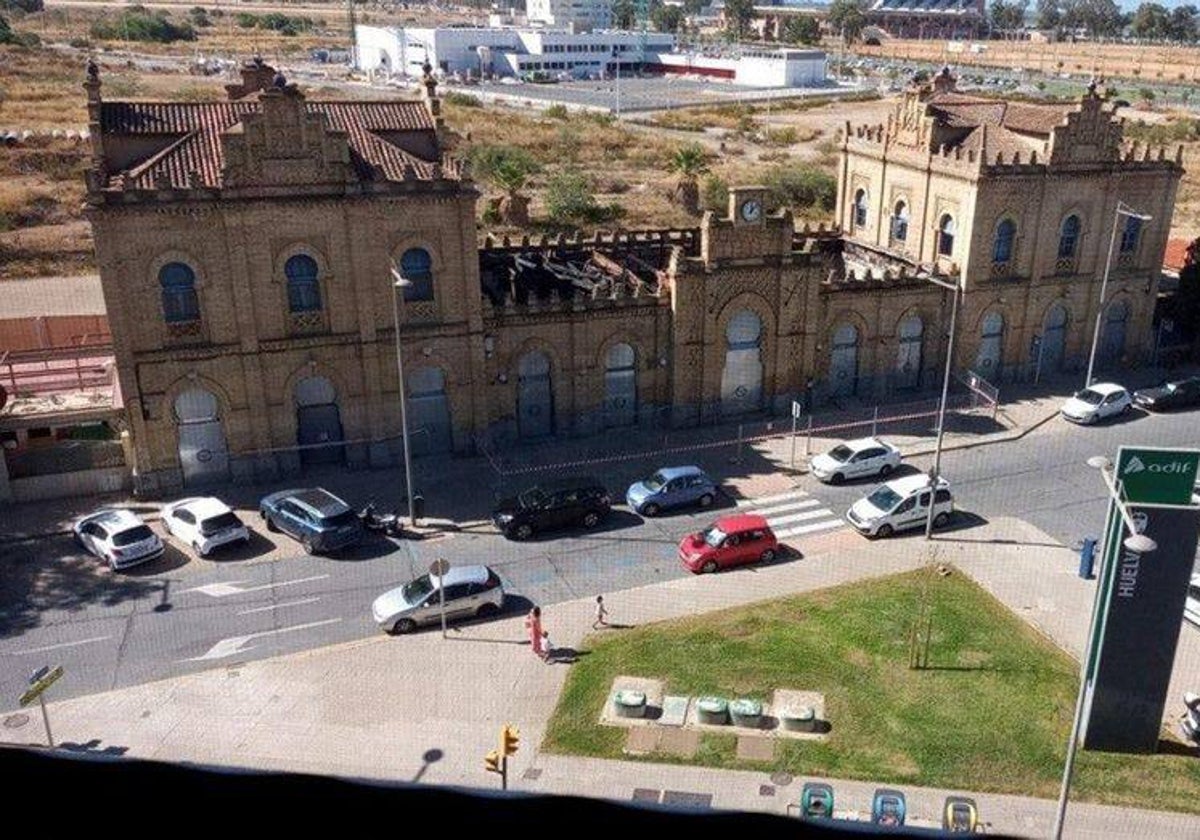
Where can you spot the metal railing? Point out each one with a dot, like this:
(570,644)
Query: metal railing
(36,372)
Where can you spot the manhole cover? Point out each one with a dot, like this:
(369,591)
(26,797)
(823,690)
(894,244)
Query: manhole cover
(781,779)
(16,721)
(532,774)
(766,790)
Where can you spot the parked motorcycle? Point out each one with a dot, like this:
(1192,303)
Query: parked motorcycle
(383,523)
(1189,725)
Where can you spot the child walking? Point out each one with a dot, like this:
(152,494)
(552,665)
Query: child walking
(601,614)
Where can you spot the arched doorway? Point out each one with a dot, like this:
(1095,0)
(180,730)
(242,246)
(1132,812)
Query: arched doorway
(991,346)
(429,412)
(535,396)
(1112,333)
(1054,339)
(318,421)
(843,361)
(203,453)
(741,380)
(620,386)
(909,337)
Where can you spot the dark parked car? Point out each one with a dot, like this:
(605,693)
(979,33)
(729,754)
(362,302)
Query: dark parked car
(553,504)
(320,520)
(1183,393)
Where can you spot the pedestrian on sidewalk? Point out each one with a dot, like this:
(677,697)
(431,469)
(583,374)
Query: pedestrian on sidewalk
(547,648)
(533,623)
(601,614)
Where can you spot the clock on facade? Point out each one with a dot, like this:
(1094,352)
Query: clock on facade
(751,209)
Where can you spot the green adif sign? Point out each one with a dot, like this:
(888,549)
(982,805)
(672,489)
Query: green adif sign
(1157,476)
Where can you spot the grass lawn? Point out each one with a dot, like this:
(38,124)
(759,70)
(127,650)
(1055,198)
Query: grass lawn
(991,712)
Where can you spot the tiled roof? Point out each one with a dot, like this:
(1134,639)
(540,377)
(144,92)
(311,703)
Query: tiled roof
(964,111)
(1176,254)
(194,129)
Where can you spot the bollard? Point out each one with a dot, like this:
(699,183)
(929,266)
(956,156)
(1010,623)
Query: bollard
(1087,558)
(808,438)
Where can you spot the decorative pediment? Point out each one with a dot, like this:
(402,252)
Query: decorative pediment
(1090,135)
(284,144)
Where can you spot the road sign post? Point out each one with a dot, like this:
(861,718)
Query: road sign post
(438,569)
(795,418)
(39,681)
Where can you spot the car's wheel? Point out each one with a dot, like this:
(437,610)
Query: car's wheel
(885,470)
(767,556)
(940,520)
(487,610)
(591,519)
(523,531)
(1126,407)
(709,567)
(403,626)
(836,478)
(706,500)
(271,526)
(884,531)
(650,510)
(309,546)
(199,550)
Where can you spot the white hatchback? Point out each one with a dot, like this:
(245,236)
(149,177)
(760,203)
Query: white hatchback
(204,523)
(118,536)
(854,459)
(1097,401)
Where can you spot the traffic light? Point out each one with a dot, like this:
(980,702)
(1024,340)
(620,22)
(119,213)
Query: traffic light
(509,739)
(491,762)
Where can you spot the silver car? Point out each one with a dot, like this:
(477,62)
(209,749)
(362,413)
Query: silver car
(471,591)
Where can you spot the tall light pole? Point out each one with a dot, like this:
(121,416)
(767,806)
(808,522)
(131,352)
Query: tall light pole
(935,474)
(1122,210)
(1135,542)
(398,287)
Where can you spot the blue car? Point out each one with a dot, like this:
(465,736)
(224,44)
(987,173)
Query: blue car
(671,487)
(888,808)
(318,519)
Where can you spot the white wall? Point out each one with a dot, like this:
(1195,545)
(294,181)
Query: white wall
(63,485)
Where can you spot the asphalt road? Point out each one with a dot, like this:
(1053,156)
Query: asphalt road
(178,615)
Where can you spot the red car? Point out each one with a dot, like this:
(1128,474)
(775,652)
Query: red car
(730,541)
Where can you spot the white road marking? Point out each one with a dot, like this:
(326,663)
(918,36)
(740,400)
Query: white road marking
(220,590)
(234,645)
(28,651)
(791,506)
(796,506)
(280,606)
(799,517)
(778,497)
(808,529)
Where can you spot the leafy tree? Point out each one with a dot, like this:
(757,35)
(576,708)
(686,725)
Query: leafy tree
(667,18)
(508,169)
(138,24)
(1183,24)
(199,16)
(1098,17)
(800,29)
(738,16)
(715,194)
(1151,21)
(1146,95)
(1048,14)
(624,14)
(569,197)
(1008,15)
(802,186)
(848,17)
(688,163)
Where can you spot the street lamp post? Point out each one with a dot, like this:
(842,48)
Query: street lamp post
(1135,542)
(397,287)
(935,474)
(1122,210)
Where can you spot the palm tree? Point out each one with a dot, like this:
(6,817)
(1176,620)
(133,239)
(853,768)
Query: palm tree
(689,163)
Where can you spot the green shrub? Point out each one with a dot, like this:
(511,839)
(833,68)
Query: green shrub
(785,136)
(138,24)
(801,186)
(714,194)
(462,100)
(556,112)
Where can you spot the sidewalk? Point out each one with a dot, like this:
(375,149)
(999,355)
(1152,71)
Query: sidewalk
(420,708)
(461,490)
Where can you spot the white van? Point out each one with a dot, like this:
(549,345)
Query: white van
(899,505)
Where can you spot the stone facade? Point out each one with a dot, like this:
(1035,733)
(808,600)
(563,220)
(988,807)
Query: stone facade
(249,252)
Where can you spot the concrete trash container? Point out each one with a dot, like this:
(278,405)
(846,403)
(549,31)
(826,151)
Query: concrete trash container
(800,719)
(746,712)
(712,710)
(630,704)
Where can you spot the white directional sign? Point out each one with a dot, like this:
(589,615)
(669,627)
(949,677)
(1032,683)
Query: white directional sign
(237,644)
(222,590)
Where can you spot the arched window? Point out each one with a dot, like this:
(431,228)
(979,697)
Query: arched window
(1068,238)
(179,301)
(900,222)
(1131,234)
(304,292)
(945,243)
(416,266)
(1002,248)
(860,208)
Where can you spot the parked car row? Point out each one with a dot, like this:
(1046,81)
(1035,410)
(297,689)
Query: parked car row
(1101,400)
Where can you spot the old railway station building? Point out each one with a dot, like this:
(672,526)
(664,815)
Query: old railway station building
(265,258)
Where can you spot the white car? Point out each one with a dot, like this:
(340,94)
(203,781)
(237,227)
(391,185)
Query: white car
(901,504)
(1094,403)
(204,523)
(1191,607)
(119,537)
(855,459)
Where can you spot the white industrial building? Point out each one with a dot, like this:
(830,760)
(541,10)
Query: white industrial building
(503,51)
(764,68)
(574,15)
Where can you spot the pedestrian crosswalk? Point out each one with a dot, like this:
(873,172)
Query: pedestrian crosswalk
(792,514)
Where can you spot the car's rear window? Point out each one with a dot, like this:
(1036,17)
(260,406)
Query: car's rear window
(133,535)
(219,523)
